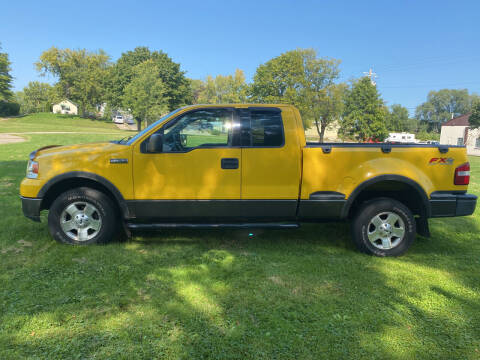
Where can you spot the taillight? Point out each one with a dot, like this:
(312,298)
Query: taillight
(462,174)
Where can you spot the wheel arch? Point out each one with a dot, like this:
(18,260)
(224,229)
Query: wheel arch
(73,179)
(398,187)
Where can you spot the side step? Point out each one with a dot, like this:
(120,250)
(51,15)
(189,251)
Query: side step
(159,226)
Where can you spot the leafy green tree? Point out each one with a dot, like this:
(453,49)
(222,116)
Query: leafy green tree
(35,97)
(146,94)
(365,114)
(5,77)
(474,118)
(327,107)
(229,89)
(176,85)
(442,105)
(399,120)
(198,88)
(80,74)
(300,78)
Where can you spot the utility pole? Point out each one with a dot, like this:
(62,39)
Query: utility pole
(371,75)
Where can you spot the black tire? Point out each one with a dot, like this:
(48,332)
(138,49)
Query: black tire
(374,240)
(97,228)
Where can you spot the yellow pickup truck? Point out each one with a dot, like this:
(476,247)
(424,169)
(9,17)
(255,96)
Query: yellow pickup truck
(244,166)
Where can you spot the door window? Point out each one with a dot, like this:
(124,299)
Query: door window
(201,128)
(263,128)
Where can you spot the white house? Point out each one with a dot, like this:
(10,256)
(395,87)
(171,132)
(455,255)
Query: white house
(65,107)
(457,132)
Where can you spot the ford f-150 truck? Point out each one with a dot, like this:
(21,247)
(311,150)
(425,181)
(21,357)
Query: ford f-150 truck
(242,166)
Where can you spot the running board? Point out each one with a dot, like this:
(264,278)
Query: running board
(159,226)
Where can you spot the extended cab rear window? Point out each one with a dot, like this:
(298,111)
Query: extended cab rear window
(266,128)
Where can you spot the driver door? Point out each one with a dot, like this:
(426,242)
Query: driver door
(197,172)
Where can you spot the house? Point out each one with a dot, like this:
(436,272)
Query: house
(458,132)
(65,107)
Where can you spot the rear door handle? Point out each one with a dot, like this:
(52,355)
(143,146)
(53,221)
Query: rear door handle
(229,163)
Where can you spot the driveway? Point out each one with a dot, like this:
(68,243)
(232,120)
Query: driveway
(8,139)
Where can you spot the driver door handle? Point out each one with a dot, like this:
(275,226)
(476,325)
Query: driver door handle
(229,163)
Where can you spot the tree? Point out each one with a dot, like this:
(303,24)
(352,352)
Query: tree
(229,89)
(327,107)
(442,105)
(474,118)
(80,74)
(35,97)
(177,86)
(5,77)
(300,78)
(365,114)
(146,94)
(198,88)
(398,120)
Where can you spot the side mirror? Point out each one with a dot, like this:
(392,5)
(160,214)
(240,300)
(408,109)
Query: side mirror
(155,143)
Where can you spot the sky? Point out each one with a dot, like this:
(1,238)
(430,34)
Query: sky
(412,46)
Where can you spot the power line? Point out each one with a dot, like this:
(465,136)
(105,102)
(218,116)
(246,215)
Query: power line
(428,62)
(428,85)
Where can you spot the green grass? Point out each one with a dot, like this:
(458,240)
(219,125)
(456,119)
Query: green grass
(196,140)
(296,294)
(47,122)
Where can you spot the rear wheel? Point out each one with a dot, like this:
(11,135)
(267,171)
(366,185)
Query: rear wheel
(383,227)
(82,216)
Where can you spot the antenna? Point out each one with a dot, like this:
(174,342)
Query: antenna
(371,75)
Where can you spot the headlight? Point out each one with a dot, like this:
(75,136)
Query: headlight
(32,169)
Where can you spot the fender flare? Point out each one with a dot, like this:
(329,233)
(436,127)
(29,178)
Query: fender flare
(90,176)
(389,177)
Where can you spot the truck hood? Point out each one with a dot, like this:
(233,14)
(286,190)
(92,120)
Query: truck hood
(101,148)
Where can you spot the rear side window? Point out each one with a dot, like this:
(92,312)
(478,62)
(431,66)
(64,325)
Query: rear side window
(266,128)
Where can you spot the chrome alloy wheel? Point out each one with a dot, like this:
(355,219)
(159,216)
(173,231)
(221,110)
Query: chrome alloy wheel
(386,230)
(81,221)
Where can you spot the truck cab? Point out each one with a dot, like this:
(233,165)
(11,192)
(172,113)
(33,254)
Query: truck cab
(244,166)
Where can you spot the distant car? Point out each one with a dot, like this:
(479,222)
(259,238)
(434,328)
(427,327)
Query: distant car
(118,119)
(130,121)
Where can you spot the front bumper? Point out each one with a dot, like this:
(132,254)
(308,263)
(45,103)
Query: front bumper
(31,208)
(445,204)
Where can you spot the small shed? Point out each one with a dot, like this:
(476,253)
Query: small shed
(65,107)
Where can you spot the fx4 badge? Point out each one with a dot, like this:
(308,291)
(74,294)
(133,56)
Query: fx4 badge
(440,161)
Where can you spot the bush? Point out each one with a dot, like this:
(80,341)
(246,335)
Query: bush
(424,136)
(9,108)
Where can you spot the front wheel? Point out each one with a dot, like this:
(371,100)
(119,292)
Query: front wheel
(383,227)
(82,216)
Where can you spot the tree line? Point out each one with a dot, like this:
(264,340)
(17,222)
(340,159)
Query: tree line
(149,84)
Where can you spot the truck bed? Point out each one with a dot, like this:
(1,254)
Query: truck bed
(333,173)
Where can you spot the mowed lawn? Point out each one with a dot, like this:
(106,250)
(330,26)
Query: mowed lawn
(291,294)
(48,122)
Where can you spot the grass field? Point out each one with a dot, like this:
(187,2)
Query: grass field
(291,294)
(48,122)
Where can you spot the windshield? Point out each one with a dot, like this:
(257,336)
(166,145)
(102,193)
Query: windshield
(150,127)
